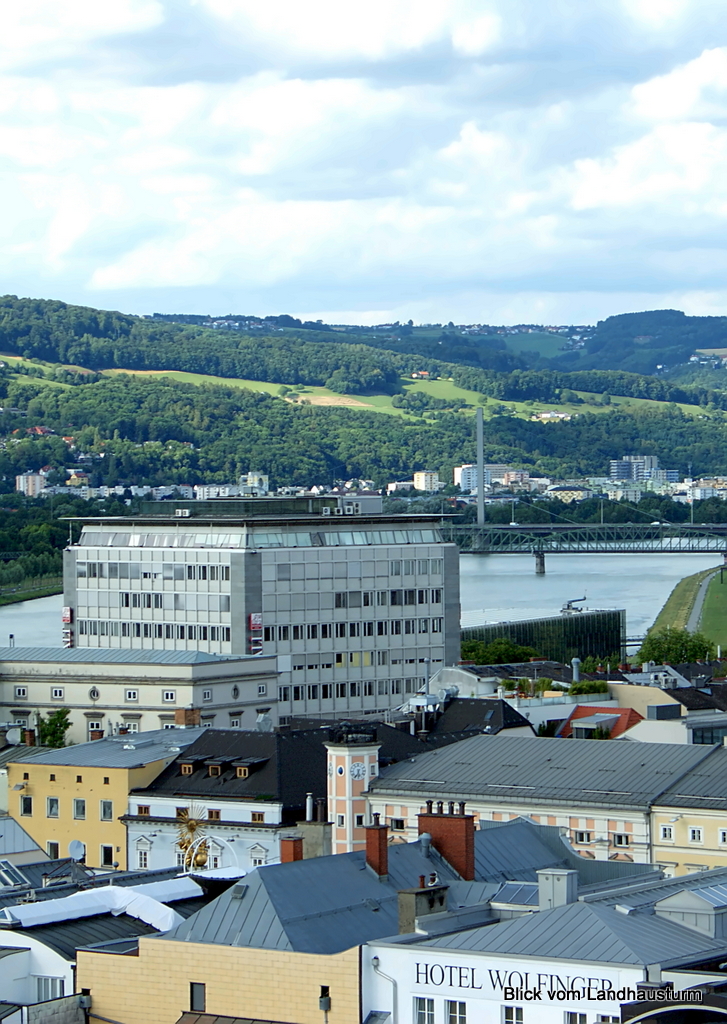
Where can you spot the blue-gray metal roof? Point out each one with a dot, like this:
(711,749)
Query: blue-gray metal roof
(559,771)
(642,896)
(588,932)
(704,786)
(716,895)
(130,751)
(114,656)
(520,894)
(14,838)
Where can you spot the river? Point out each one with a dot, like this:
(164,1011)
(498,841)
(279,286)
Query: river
(493,588)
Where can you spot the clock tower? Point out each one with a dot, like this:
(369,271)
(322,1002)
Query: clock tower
(353,760)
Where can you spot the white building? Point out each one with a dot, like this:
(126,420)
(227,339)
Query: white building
(466,477)
(358,609)
(30,484)
(427,480)
(135,690)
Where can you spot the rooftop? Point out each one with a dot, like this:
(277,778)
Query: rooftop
(704,786)
(113,656)
(581,771)
(131,751)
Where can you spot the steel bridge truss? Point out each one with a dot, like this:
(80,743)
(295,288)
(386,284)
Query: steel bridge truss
(614,538)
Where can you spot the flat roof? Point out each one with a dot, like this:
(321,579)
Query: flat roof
(194,522)
(131,751)
(117,656)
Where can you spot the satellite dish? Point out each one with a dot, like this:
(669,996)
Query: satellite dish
(14,736)
(76,849)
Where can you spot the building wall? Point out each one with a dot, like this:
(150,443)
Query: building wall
(140,696)
(240,982)
(66,787)
(639,697)
(684,853)
(601,824)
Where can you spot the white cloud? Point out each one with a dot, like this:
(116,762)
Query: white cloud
(451,158)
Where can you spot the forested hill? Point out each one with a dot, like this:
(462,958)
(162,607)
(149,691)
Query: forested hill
(100,340)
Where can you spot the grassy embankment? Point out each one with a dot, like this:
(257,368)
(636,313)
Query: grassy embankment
(681,601)
(714,612)
(42,586)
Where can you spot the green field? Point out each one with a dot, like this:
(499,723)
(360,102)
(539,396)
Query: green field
(680,602)
(714,612)
(547,344)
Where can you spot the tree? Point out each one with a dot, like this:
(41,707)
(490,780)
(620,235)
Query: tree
(676,646)
(501,651)
(53,729)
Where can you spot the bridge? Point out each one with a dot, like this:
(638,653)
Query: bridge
(539,539)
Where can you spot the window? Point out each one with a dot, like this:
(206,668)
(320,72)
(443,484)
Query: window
(283,632)
(79,809)
(354,629)
(213,770)
(410,596)
(142,859)
(284,693)
(169,696)
(423,1010)
(143,810)
(180,811)
(340,630)
(583,837)
(398,824)
(234,723)
(56,692)
(422,596)
(213,814)
(667,834)
(206,694)
(52,777)
(341,821)
(242,771)
(52,850)
(258,817)
(186,769)
(571,1017)
(340,599)
(132,694)
(261,689)
(455,1012)
(436,596)
(79,778)
(51,807)
(722,837)
(49,988)
(620,839)
(26,806)
(21,692)
(106,780)
(695,835)
(107,856)
(360,820)
(297,632)
(107,810)
(512,1014)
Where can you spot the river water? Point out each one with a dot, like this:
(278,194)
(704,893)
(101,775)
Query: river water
(493,588)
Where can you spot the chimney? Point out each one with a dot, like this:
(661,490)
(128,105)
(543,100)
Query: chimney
(30,737)
(453,837)
(95,734)
(309,807)
(291,848)
(420,902)
(321,814)
(377,850)
(187,718)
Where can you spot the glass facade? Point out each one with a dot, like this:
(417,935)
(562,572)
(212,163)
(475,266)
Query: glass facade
(562,637)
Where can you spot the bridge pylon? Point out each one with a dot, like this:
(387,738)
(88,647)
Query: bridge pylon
(539,563)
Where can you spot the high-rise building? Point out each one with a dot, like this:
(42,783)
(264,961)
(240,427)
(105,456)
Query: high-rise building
(633,467)
(359,610)
(466,477)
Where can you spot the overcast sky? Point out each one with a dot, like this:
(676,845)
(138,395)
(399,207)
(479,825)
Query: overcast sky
(474,160)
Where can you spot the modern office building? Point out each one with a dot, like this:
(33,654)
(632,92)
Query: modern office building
(358,609)
(597,633)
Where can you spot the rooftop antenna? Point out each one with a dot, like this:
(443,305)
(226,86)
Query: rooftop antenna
(480,468)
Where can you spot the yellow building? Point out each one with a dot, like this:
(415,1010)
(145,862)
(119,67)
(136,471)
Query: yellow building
(81,792)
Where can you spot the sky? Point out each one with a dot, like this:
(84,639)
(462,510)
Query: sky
(496,161)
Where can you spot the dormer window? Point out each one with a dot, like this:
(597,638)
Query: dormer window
(213,769)
(187,769)
(242,771)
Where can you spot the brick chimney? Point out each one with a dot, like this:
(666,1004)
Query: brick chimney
(377,849)
(95,734)
(453,836)
(291,848)
(30,737)
(187,717)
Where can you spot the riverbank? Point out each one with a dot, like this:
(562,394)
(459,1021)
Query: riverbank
(681,602)
(714,611)
(41,586)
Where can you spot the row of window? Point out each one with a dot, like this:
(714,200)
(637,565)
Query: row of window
(141,571)
(176,602)
(397,567)
(617,838)
(213,813)
(53,807)
(695,834)
(342,630)
(367,688)
(131,695)
(382,598)
(455,1012)
(254,538)
(106,853)
(155,630)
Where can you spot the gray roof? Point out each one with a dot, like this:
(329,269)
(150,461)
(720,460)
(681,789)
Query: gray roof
(114,656)
(19,752)
(67,937)
(14,838)
(704,786)
(328,904)
(556,770)
(132,751)
(520,894)
(647,895)
(590,932)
